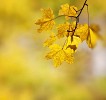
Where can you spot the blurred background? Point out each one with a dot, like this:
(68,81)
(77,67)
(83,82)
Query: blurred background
(25,74)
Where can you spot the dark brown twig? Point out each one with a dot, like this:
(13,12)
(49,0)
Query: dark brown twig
(77,18)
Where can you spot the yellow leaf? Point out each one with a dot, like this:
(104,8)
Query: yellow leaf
(58,58)
(54,49)
(82,31)
(47,13)
(72,45)
(50,41)
(69,57)
(68,10)
(46,22)
(59,55)
(92,39)
(63,30)
(76,41)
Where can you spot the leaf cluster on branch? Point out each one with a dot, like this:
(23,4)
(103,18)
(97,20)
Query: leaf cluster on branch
(74,32)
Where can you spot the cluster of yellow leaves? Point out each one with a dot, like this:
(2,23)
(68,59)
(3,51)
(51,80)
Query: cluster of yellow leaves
(82,32)
(65,53)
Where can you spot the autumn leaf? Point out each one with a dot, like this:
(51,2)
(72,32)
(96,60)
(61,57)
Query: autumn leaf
(62,30)
(76,41)
(82,31)
(58,55)
(48,42)
(46,22)
(68,10)
(69,56)
(92,39)
(73,45)
(58,58)
(63,55)
(54,49)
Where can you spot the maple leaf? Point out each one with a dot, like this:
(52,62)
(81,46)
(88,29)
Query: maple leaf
(54,49)
(73,45)
(68,10)
(63,55)
(46,22)
(58,54)
(58,58)
(92,39)
(63,30)
(68,56)
(82,31)
(50,41)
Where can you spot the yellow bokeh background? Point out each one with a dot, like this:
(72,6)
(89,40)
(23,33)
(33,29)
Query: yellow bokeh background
(25,74)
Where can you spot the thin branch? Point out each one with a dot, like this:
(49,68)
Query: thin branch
(77,18)
(82,8)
